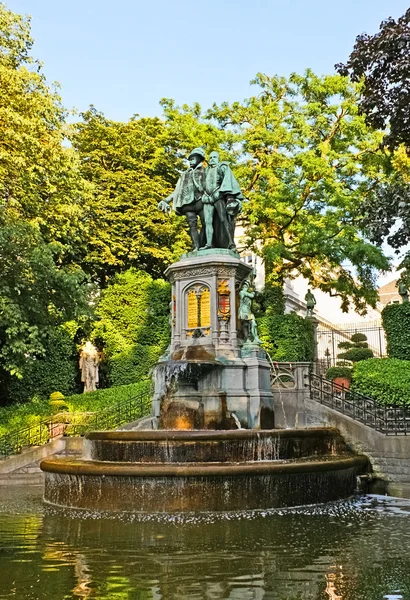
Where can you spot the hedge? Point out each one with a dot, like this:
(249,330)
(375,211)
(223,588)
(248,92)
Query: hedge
(387,380)
(339,371)
(22,415)
(287,338)
(133,327)
(42,375)
(396,323)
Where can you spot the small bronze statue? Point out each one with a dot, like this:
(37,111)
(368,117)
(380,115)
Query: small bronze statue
(404,292)
(250,329)
(310,303)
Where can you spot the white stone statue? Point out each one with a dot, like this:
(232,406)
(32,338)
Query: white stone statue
(89,360)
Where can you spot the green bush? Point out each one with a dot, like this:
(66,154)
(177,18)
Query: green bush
(287,338)
(270,301)
(133,365)
(356,349)
(387,380)
(396,323)
(133,327)
(356,354)
(22,415)
(334,372)
(358,337)
(101,399)
(57,370)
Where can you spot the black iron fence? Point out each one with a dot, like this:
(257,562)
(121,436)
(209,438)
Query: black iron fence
(329,338)
(389,420)
(75,424)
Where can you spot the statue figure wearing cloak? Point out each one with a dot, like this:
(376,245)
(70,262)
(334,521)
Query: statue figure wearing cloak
(213,195)
(222,203)
(187,197)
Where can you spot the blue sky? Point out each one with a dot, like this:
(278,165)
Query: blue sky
(124,56)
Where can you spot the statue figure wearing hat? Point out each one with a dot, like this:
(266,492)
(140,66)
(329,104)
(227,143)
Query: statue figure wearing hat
(187,197)
(213,195)
(222,203)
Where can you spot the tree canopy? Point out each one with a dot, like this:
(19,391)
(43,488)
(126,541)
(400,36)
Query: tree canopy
(306,160)
(382,61)
(41,190)
(132,166)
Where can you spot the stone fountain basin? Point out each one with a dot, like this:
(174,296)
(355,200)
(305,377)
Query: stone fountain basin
(160,482)
(238,446)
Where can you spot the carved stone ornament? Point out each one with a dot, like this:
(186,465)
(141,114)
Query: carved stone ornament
(197,272)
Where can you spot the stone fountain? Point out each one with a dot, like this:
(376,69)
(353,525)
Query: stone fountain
(211,445)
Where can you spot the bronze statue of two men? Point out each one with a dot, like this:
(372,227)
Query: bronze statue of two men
(211,194)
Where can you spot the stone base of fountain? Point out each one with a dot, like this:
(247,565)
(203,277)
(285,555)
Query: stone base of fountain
(181,471)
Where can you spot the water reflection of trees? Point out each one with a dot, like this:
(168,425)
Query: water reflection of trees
(282,557)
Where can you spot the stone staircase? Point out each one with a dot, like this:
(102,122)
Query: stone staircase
(24,468)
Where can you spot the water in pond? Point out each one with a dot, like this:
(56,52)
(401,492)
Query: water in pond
(352,550)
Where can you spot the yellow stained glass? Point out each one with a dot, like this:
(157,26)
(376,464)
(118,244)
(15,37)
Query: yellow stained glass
(206,308)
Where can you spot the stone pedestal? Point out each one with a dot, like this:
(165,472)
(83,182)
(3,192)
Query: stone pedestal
(210,379)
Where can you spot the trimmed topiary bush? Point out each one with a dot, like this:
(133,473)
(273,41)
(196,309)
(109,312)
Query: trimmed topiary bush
(356,349)
(287,338)
(356,354)
(387,380)
(396,323)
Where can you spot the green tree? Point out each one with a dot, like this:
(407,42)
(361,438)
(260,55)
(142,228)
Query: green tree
(41,194)
(40,180)
(36,295)
(306,159)
(382,62)
(356,349)
(132,166)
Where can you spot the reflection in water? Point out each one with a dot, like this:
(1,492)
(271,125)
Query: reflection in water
(346,551)
(333,583)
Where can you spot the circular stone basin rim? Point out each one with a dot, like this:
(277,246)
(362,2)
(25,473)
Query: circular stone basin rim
(98,468)
(205,434)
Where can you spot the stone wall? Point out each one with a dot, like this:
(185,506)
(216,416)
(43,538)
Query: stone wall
(24,468)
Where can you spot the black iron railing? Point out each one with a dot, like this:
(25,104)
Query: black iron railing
(390,420)
(75,424)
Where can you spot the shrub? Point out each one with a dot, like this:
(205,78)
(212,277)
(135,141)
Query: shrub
(133,326)
(287,338)
(358,337)
(335,372)
(22,415)
(133,364)
(270,301)
(396,323)
(101,399)
(356,354)
(56,370)
(356,349)
(57,402)
(387,380)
